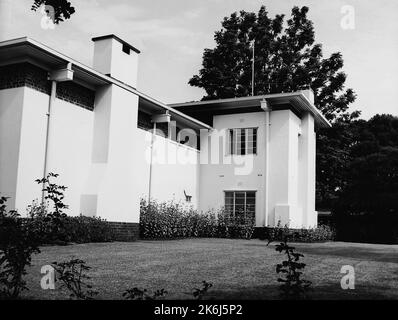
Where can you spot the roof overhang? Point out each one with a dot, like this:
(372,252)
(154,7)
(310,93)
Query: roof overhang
(296,101)
(26,49)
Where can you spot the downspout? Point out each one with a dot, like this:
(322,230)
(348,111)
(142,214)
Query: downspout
(55,76)
(267,110)
(50,105)
(150,163)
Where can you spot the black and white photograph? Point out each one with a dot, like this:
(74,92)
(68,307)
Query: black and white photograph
(198,155)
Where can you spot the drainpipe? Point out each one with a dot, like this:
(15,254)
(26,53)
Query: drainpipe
(55,76)
(266,108)
(150,164)
(50,105)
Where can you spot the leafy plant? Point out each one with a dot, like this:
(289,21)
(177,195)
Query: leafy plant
(73,276)
(293,286)
(198,293)
(54,192)
(138,294)
(18,242)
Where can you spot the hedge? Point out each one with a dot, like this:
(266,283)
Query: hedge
(171,220)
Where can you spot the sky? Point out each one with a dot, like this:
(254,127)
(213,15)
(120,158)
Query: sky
(172,35)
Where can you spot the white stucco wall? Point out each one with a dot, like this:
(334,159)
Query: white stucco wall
(23,146)
(225,172)
(11,105)
(70,148)
(119,173)
(283,174)
(175,169)
(109,58)
(31,148)
(111,189)
(291,194)
(307,157)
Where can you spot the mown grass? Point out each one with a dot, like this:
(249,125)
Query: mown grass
(238,269)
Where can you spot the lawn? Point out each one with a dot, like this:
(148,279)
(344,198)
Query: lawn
(238,269)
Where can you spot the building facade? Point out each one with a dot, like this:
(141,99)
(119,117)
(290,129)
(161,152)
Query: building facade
(113,145)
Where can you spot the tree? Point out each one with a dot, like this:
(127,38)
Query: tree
(63,9)
(286,59)
(372,174)
(366,207)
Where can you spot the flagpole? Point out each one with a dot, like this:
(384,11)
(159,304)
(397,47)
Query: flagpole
(253,71)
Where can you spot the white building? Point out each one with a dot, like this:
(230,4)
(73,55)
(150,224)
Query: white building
(93,127)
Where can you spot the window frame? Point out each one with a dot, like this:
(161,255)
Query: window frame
(233,145)
(245,202)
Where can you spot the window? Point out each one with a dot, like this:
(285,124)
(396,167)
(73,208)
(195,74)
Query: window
(241,203)
(243,141)
(126,49)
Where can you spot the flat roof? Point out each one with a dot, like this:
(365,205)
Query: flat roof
(27,49)
(297,101)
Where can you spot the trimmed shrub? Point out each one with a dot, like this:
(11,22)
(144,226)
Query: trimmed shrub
(64,229)
(171,220)
(319,234)
(89,229)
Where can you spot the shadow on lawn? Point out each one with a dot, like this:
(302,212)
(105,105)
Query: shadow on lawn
(388,255)
(328,292)
(353,253)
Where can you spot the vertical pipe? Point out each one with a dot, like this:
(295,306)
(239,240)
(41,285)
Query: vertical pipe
(267,109)
(46,152)
(253,71)
(150,164)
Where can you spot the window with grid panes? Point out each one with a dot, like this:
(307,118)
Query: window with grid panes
(243,141)
(241,203)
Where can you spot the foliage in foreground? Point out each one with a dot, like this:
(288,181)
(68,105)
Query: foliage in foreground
(199,293)
(171,220)
(293,286)
(18,242)
(73,276)
(47,223)
(143,294)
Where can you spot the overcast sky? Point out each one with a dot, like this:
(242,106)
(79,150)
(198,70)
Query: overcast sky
(172,35)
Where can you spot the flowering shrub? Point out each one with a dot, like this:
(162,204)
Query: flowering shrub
(171,220)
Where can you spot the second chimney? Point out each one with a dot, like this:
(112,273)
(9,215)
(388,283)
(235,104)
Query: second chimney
(116,58)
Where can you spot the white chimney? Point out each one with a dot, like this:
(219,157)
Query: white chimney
(116,58)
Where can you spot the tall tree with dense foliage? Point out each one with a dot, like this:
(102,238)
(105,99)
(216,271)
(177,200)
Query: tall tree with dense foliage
(286,59)
(366,207)
(372,174)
